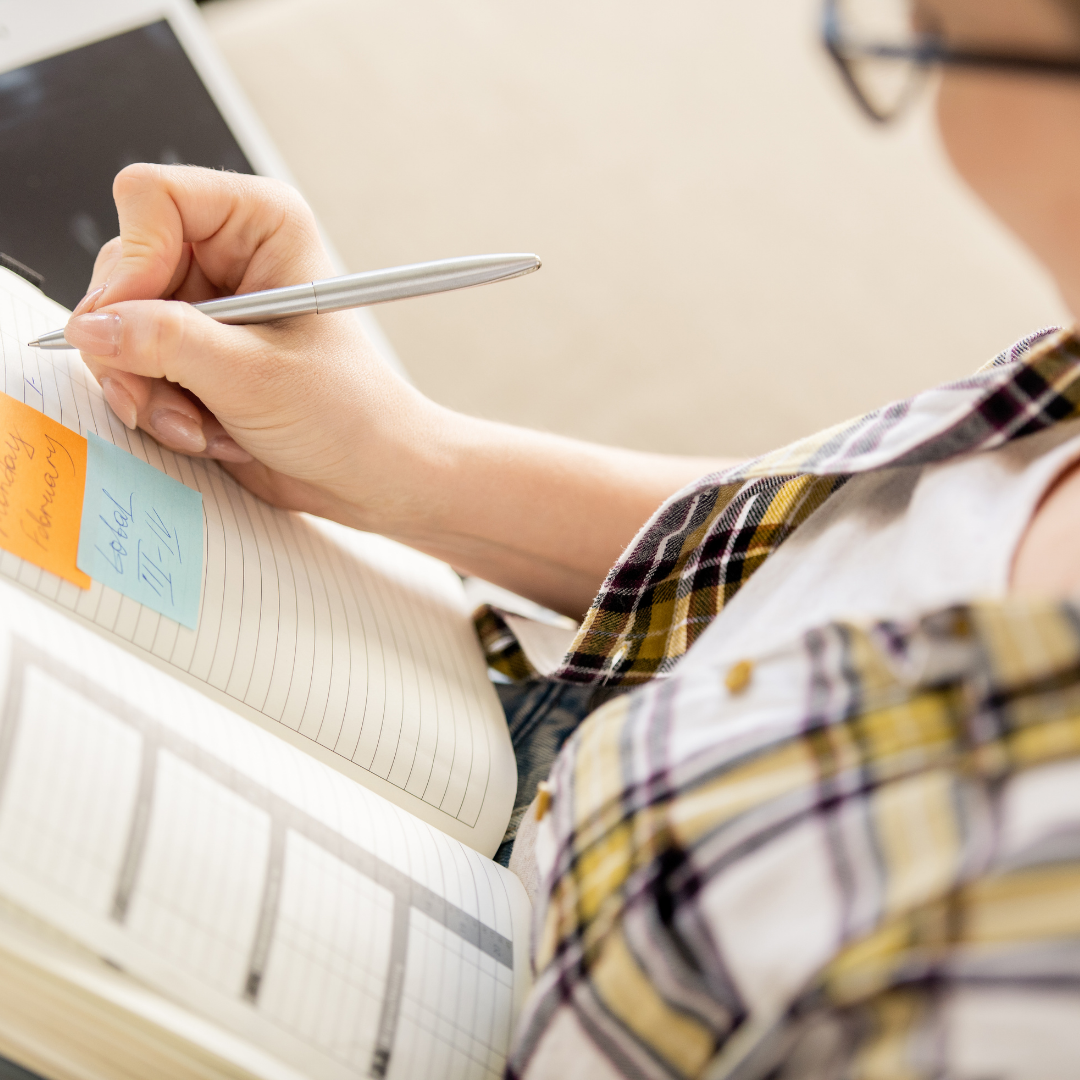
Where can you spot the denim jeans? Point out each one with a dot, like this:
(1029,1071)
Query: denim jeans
(541,715)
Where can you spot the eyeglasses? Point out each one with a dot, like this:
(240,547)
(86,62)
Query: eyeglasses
(884,57)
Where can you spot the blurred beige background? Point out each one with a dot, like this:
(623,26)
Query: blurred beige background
(732,256)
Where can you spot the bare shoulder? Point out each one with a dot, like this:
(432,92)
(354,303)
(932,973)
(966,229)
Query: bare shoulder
(1047,560)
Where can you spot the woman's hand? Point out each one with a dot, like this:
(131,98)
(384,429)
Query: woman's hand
(303,412)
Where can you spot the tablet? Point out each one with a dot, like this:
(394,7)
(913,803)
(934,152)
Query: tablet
(86,88)
(89,86)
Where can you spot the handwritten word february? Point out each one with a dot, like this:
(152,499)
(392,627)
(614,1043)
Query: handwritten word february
(42,476)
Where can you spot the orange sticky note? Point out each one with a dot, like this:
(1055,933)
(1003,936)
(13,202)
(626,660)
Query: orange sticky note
(42,480)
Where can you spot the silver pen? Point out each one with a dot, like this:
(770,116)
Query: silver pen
(352,290)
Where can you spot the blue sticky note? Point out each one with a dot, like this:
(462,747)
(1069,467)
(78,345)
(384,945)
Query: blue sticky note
(142,532)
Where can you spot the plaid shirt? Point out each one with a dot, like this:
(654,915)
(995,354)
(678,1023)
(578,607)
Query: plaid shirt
(857,856)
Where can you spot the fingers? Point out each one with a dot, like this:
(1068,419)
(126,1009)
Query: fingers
(242,233)
(159,407)
(220,444)
(107,258)
(122,390)
(145,352)
(168,414)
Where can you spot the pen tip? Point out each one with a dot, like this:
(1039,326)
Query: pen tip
(35,344)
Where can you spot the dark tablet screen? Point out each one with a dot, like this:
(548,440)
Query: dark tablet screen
(69,123)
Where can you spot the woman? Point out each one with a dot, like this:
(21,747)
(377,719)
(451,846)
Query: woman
(835,834)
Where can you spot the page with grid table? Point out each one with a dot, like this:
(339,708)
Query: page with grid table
(239,877)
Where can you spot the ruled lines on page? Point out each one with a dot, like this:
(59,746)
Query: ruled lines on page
(352,642)
(236,874)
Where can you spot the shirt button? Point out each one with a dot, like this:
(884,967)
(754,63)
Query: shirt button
(543,799)
(738,676)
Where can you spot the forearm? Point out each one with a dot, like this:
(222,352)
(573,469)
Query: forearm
(540,514)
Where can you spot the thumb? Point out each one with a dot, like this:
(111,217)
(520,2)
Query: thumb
(157,347)
(166,339)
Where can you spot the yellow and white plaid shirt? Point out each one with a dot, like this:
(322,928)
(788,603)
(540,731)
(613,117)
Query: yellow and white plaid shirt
(854,857)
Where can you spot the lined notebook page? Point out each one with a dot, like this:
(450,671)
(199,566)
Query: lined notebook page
(353,647)
(235,874)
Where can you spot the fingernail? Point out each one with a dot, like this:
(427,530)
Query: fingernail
(120,401)
(226,448)
(97,333)
(177,431)
(87,302)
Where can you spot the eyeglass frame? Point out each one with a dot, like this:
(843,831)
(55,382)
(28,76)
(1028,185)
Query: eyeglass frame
(928,51)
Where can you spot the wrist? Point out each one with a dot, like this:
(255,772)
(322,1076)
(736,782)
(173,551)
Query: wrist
(406,471)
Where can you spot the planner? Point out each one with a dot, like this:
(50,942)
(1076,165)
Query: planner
(257,845)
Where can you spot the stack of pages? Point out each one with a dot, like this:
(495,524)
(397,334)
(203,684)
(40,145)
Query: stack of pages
(259,847)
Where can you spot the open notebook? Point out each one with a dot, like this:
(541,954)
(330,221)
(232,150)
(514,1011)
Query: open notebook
(184,894)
